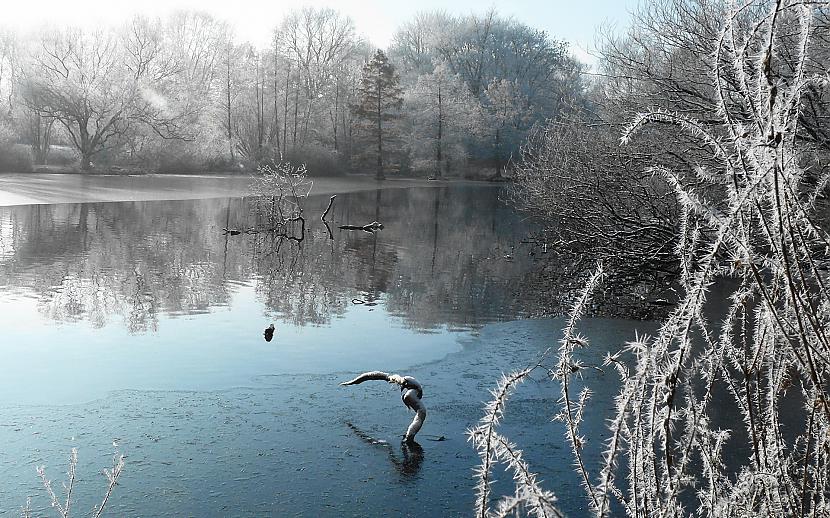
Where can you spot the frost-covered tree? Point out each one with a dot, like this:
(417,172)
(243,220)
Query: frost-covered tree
(252,129)
(187,51)
(9,69)
(318,45)
(100,85)
(444,115)
(181,91)
(416,43)
(380,98)
(508,119)
(519,75)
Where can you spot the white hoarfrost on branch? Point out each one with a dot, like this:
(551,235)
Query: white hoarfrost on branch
(749,215)
(63,504)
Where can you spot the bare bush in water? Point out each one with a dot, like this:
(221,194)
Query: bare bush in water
(750,216)
(281,188)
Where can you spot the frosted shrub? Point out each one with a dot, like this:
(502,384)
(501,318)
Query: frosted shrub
(749,217)
(281,188)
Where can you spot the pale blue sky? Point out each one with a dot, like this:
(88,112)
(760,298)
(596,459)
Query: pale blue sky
(571,20)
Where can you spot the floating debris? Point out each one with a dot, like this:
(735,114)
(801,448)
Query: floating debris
(269,333)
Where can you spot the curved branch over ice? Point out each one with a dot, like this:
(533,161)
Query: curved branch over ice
(411,394)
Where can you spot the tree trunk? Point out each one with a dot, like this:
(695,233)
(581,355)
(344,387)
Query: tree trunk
(380,135)
(296,110)
(228,107)
(285,110)
(498,152)
(86,147)
(86,161)
(306,118)
(276,130)
(334,118)
(440,133)
(41,133)
(259,86)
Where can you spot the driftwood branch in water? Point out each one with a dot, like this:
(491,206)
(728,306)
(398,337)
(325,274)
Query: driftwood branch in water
(371,227)
(279,229)
(411,394)
(331,200)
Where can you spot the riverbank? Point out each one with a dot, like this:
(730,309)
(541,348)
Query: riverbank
(47,188)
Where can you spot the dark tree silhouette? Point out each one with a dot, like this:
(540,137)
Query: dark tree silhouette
(380,98)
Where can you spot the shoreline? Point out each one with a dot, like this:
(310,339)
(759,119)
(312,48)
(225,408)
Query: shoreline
(53,188)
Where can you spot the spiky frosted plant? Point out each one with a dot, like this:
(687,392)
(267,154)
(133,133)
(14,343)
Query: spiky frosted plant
(572,411)
(755,210)
(493,448)
(748,214)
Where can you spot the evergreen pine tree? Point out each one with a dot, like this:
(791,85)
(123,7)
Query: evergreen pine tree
(380,97)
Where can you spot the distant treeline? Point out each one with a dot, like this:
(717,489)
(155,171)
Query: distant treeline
(177,94)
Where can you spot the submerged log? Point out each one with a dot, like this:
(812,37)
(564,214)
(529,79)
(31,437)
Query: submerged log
(371,227)
(411,394)
(281,229)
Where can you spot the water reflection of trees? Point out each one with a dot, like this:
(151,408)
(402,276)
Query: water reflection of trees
(130,260)
(443,258)
(457,264)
